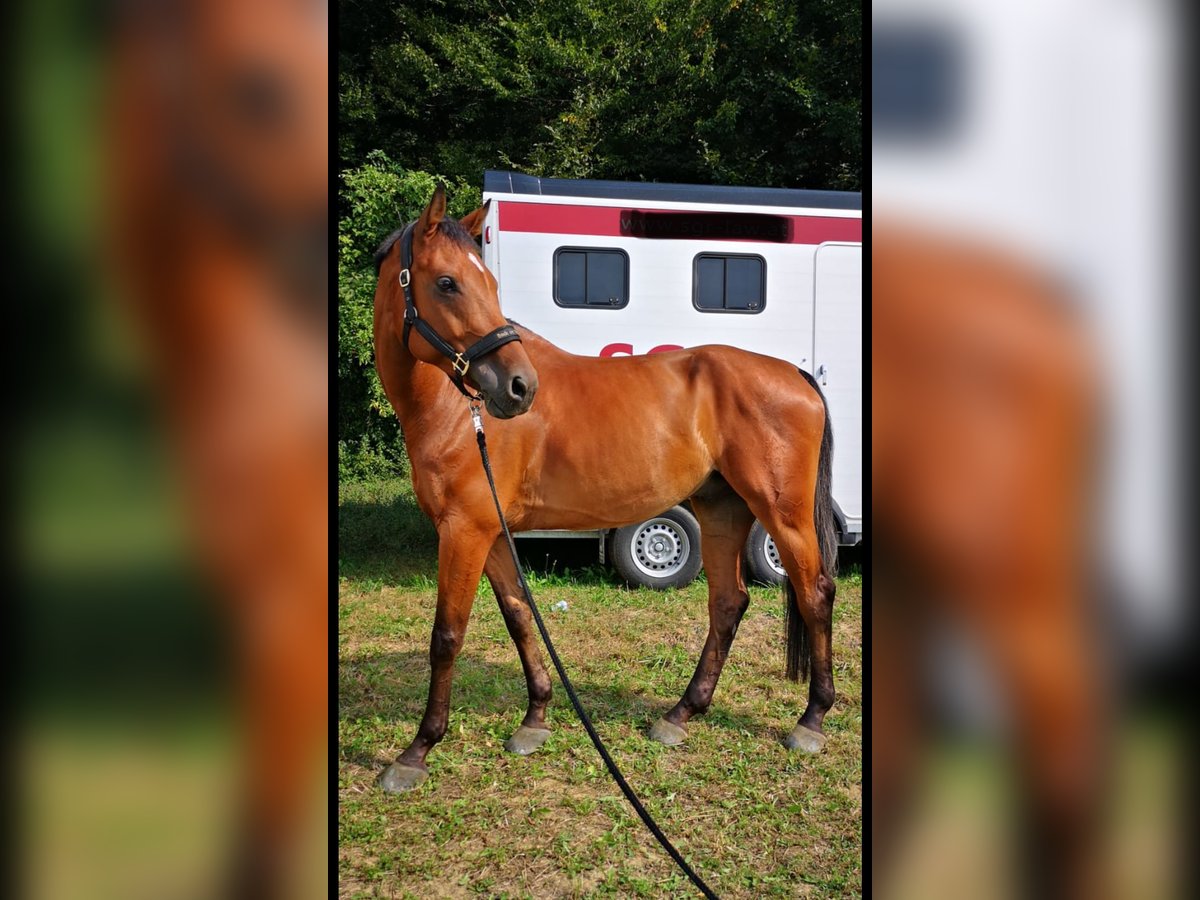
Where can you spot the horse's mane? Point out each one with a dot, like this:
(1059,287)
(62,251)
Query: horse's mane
(449,228)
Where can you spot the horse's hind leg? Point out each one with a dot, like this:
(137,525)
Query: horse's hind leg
(816,609)
(507,586)
(725,522)
(460,563)
(1037,636)
(811,590)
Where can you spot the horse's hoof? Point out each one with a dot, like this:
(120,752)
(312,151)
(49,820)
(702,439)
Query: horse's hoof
(399,778)
(667,733)
(525,740)
(805,740)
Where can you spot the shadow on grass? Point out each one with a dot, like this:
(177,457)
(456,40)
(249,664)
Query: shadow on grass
(383,536)
(394,686)
(382,533)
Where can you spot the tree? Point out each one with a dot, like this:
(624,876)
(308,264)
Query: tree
(758,92)
(763,92)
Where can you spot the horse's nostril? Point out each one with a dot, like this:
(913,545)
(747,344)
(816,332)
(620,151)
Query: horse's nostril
(518,388)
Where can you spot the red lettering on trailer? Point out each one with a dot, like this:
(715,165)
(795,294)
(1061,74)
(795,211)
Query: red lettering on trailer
(627,349)
(615,349)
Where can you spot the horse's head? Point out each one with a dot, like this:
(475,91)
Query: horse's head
(452,316)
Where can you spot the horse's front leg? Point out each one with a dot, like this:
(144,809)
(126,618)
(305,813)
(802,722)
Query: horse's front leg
(462,548)
(502,574)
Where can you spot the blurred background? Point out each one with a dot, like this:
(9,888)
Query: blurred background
(1028,175)
(167,207)
(167,229)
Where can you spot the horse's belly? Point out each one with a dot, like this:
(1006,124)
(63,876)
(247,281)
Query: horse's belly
(609,496)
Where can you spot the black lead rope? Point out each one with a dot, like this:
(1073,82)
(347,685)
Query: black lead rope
(562,674)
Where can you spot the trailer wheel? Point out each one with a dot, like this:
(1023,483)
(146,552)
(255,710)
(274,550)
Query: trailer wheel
(663,552)
(762,557)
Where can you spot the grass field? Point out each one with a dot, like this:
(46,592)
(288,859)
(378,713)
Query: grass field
(753,819)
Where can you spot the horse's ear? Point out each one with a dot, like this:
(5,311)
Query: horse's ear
(434,212)
(473,222)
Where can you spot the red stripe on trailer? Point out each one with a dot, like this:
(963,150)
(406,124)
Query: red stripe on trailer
(605,221)
(819,229)
(560,218)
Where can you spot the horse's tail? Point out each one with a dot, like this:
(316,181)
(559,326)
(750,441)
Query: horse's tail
(826,528)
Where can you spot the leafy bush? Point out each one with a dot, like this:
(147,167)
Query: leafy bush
(375,199)
(761,92)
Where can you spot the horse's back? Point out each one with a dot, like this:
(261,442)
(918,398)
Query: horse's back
(709,388)
(694,371)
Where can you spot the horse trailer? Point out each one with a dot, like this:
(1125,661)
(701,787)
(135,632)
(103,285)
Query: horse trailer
(608,268)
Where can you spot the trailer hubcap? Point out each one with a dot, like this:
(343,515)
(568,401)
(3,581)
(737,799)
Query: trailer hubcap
(772,554)
(660,548)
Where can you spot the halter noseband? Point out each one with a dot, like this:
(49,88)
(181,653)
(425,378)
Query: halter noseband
(460,362)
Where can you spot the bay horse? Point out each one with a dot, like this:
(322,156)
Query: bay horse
(984,428)
(740,435)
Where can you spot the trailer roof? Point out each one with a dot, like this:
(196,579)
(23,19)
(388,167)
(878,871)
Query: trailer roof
(497,182)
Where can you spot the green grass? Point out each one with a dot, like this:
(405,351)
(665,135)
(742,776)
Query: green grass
(751,818)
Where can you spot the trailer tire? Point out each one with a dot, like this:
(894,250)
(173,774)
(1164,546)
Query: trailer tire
(762,557)
(661,552)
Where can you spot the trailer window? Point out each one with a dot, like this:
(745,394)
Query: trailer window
(729,283)
(591,277)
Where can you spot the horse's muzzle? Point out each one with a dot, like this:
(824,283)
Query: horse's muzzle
(514,399)
(506,393)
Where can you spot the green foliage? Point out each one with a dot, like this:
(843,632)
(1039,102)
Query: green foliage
(764,92)
(362,460)
(376,198)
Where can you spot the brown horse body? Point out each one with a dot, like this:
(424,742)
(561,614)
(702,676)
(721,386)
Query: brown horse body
(984,427)
(742,436)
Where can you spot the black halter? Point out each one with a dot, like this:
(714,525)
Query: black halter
(459,362)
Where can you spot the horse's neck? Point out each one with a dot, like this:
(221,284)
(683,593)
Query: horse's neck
(542,351)
(419,395)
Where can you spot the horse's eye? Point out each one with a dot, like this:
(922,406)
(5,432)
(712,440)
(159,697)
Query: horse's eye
(446,284)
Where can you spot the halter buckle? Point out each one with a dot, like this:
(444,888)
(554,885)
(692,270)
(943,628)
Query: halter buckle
(405,278)
(460,364)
